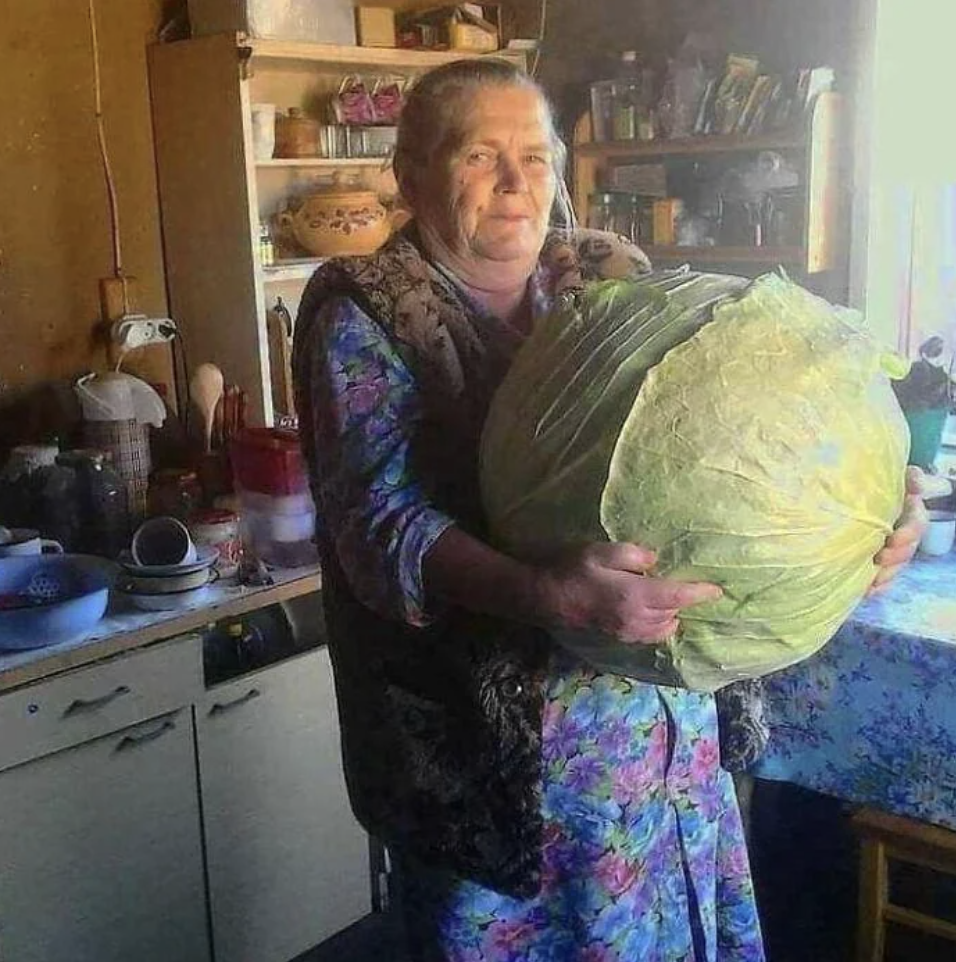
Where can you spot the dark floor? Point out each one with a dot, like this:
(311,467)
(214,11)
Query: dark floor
(805,863)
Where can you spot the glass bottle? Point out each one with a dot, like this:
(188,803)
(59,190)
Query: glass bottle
(267,253)
(85,506)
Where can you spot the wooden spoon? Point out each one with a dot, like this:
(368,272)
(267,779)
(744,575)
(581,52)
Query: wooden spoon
(205,389)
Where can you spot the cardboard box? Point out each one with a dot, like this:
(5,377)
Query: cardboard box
(331,21)
(474,27)
(376,26)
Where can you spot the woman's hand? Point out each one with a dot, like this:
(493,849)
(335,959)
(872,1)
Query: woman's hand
(604,587)
(901,545)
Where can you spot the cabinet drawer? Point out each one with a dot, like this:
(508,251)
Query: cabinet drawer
(90,702)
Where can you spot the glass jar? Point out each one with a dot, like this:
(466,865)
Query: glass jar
(617,212)
(21,482)
(85,505)
(175,492)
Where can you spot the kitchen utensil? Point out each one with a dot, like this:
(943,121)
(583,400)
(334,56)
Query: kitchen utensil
(296,135)
(26,541)
(164,584)
(49,600)
(206,390)
(174,601)
(163,541)
(206,557)
(337,222)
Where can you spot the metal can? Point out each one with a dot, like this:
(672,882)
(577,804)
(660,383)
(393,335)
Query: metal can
(219,529)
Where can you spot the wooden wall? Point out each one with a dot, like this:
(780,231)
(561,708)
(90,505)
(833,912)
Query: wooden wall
(54,228)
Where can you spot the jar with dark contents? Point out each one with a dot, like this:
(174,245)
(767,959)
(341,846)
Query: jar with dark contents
(85,502)
(175,492)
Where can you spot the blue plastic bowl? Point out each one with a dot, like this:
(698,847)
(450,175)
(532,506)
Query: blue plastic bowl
(49,599)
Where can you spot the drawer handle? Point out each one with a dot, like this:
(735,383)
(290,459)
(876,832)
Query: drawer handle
(81,705)
(134,741)
(221,707)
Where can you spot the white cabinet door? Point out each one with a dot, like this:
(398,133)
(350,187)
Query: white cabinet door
(101,852)
(288,864)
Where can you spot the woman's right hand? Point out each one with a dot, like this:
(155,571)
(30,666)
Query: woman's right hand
(605,587)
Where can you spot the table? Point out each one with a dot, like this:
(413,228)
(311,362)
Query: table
(872,717)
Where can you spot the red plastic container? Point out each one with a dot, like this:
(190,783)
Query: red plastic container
(269,460)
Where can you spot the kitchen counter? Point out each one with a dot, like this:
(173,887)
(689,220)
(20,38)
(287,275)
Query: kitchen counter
(125,628)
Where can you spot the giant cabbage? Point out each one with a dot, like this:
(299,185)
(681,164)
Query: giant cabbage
(745,430)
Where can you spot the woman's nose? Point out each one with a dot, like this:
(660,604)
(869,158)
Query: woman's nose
(511,177)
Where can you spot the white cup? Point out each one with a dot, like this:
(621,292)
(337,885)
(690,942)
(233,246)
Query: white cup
(162,541)
(940,533)
(263,130)
(26,541)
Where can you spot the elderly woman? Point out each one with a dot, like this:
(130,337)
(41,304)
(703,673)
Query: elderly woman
(538,809)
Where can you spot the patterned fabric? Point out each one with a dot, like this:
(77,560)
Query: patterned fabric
(634,845)
(872,717)
(642,856)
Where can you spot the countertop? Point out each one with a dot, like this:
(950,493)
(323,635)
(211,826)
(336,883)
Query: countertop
(124,628)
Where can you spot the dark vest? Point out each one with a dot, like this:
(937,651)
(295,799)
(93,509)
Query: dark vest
(441,726)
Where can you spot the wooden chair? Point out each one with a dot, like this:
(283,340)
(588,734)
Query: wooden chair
(885,837)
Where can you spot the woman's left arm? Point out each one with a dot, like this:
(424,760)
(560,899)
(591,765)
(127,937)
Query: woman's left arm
(900,546)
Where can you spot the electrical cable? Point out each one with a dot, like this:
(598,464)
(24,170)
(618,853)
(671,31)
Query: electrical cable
(104,156)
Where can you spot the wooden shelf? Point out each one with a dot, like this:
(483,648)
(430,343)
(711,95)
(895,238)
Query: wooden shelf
(710,144)
(323,162)
(299,269)
(728,255)
(363,56)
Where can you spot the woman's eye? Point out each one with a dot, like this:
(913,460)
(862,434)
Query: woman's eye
(479,156)
(538,159)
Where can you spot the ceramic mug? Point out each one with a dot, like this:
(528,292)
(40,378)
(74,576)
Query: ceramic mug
(162,541)
(26,541)
(940,533)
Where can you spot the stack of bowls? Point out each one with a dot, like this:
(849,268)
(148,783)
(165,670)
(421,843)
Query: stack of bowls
(164,570)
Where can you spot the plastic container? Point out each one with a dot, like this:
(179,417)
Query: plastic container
(269,461)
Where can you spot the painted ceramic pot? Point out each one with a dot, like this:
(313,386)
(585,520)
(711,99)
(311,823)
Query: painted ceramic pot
(331,224)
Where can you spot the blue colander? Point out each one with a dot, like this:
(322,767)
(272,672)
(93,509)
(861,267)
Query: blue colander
(49,599)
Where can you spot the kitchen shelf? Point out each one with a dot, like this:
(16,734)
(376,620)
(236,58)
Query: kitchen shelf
(298,269)
(814,150)
(323,162)
(336,55)
(727,255)
(693,146)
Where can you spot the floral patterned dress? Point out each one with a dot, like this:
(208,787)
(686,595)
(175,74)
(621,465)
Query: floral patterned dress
(644,857)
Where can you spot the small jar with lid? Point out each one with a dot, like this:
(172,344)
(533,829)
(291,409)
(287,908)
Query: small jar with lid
(175,492)
(219,529)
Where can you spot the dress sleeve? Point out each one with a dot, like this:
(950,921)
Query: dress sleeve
(374,511)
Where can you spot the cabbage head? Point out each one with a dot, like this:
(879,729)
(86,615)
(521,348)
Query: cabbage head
(745,430)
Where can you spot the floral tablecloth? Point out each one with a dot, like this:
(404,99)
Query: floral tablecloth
(872,717)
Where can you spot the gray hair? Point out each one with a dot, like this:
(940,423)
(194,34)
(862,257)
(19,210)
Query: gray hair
(430,117)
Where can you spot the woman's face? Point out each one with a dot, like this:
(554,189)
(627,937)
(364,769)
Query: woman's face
(488,195)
